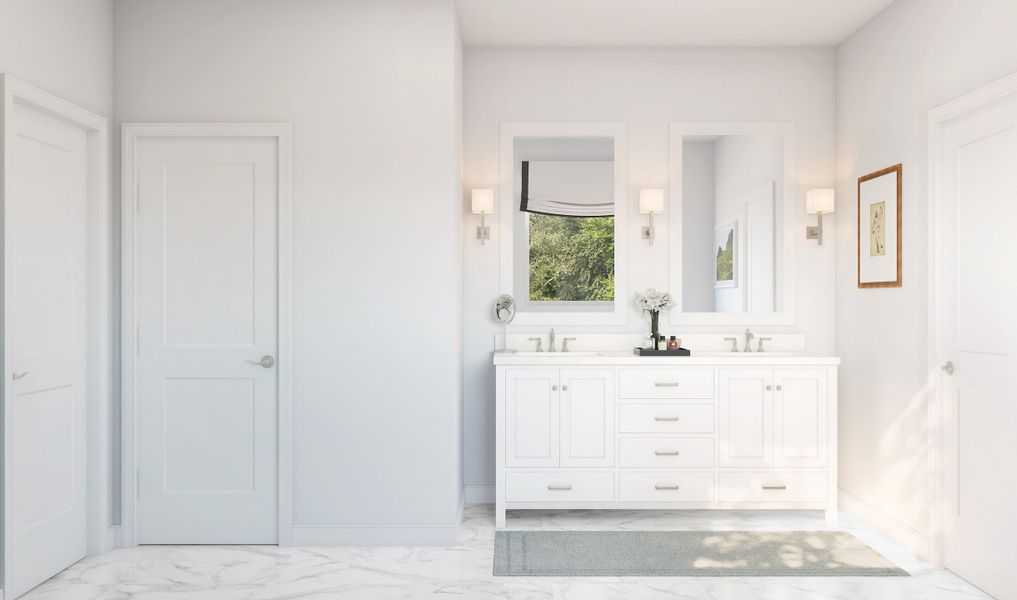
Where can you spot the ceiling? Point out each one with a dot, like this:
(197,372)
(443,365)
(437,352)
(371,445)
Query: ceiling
(663,22)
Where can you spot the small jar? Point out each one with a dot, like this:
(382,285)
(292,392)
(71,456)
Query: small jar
(662,343)
(672,344)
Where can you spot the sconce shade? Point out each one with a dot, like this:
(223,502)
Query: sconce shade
(819,201)
(651,201)
(483,202)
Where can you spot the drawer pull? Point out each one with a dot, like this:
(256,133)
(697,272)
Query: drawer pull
(666,452)
(774,487)
(666,383)
(663,488)
(666,418)
(559,488)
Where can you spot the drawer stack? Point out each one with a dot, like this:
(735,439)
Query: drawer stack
(666,427)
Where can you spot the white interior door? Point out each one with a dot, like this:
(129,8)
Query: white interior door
(979,293)
(206,273)
(46,319)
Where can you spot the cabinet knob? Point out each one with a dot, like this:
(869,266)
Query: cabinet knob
(554,388)
(769,387)
(564,388)
(780,387)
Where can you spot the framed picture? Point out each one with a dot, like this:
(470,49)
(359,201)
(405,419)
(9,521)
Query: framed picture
(879,228)
(725,245)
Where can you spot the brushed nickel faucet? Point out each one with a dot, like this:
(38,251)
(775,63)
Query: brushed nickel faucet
(550,341)
(540,343)
(734,343)
(565,343)
(748,341)
(759,348)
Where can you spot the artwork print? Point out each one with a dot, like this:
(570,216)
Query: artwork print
(725,253)
(877,229)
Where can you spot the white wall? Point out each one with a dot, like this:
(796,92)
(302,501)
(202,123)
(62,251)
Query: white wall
(62,46)
(646,89)
(916,55)
(698,200)
(372,91)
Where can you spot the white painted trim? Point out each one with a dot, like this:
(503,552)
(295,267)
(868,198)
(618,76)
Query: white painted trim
(506,210)
(938,118)
(282,132)
(380,534)
(791,208)
(480,494)
(98,293)
(915,541)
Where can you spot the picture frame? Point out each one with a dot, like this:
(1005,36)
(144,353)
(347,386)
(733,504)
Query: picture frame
(880,228)
(725,255)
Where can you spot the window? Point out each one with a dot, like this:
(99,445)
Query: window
(571,259)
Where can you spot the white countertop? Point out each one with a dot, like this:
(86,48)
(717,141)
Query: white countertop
(628,358)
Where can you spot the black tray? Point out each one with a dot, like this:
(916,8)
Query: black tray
(651,352)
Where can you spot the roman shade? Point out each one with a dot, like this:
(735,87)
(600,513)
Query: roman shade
(568,188)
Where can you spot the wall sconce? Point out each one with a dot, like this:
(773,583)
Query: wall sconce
(482,203)
(651,202)
(819,203)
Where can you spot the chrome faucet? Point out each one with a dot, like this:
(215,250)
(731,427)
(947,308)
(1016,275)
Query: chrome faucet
(748,340)
(550,341)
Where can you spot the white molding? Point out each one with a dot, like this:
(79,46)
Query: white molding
(99,285)
(938,118)
(915,541)
(787,270)
(506,209)
(480,494)
(381,534)
(282,132)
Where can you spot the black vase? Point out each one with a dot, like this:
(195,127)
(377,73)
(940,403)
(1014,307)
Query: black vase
(654,328)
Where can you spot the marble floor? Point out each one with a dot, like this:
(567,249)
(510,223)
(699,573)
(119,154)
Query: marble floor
(463,571)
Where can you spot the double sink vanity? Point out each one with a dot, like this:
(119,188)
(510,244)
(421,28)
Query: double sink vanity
(611,430)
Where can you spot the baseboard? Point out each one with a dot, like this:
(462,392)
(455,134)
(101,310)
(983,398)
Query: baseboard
(379,535)
(905,535)
(480,494)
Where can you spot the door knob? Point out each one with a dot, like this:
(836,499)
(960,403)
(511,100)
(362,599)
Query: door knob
(266,361)
(948,367)
(17,376)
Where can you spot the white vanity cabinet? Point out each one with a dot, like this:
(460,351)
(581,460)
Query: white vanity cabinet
(619,431)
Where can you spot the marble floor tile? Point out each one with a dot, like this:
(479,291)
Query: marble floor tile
(463,571)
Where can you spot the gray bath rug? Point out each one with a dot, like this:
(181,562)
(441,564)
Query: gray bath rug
(688,553)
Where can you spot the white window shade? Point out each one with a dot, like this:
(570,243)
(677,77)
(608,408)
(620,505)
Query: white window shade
(568,188)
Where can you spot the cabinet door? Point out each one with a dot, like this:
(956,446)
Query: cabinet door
(587,418)
(531,418)
(799,419)
(746,418)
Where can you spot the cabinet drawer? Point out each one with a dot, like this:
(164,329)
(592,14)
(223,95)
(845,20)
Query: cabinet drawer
(772,487)
(666,487)
(665,418)
(560,486)
(667,383)
(666,452)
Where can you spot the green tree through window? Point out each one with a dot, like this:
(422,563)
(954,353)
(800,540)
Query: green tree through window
(571,259)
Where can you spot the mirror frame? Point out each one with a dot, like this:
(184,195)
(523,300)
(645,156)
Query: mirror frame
(506,207)
(788,267)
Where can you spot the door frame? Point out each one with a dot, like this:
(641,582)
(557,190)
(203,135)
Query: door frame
(132,133)
(101,535)
(937,121)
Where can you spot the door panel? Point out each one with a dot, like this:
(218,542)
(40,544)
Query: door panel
(46,225)
(206,288)
(587,418)
(746,421)
(531,418)
(980,338)
(799,419)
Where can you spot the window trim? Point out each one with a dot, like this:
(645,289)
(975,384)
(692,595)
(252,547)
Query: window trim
(618,312)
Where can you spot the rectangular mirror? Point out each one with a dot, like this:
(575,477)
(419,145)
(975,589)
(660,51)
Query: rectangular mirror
(733,195)
(561,203)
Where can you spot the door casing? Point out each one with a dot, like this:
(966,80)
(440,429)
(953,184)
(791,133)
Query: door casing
(132,133)
(937,354)
(101,534)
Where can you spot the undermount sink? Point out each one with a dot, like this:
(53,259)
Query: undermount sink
(557,354)
(736,354)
